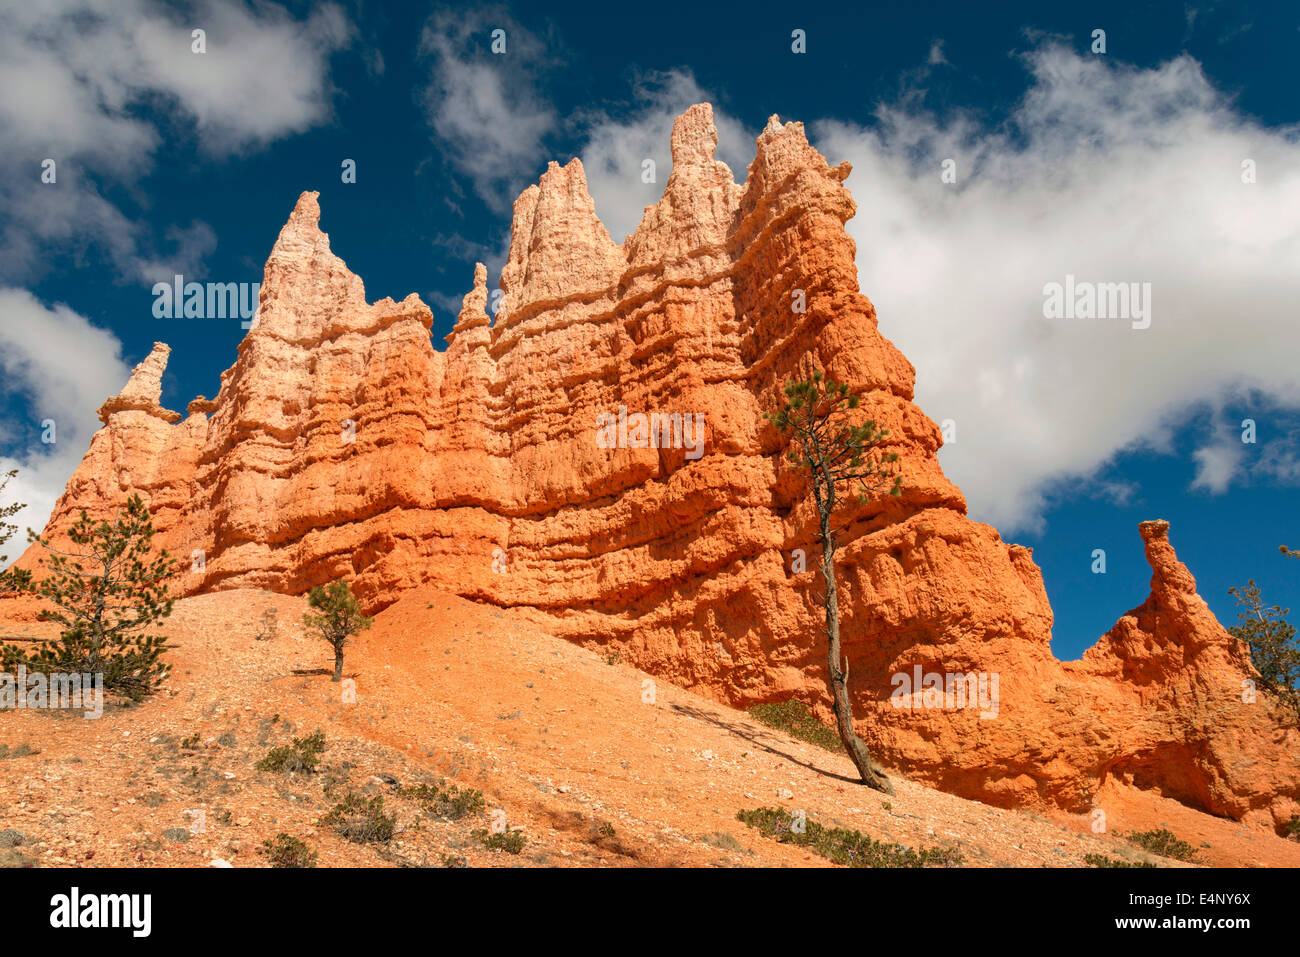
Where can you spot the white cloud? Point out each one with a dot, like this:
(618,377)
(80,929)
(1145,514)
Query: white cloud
(1217,464)
(618,144)
(95,85)
(62,368)
(1111,174)
(483,107)
(82,68)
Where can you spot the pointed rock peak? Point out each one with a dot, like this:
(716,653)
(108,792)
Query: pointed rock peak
(1168,573)
(558,245)
(306,212)
(521,234)
(776,130)
(301,232)
(695,138)
(568,181)
(1154,530)
(526,201)
(146,378)
(783,150)
(143,391)
(304,284)
(521,224)
(566,213)
(473,308)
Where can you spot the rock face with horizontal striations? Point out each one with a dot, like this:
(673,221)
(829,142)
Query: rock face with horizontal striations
(594,458)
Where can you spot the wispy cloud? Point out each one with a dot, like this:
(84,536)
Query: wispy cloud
(485,109)
(1218,461)
(1234,452)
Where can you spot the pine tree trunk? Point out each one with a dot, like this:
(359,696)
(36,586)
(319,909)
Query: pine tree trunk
(338,663)
(871,775)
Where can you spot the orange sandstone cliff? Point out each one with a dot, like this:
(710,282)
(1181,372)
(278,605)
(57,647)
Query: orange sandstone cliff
(342,443)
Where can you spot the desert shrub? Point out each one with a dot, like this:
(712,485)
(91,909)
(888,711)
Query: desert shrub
(301,756)
(18,751)
(794,718)
(287,851)
(337,780)
(512,842)
(1292,829)
(1101,860)
(11,857)
(1163,842)
(724,841)
(446,801)
(361,821)
(268,625)
(850,848)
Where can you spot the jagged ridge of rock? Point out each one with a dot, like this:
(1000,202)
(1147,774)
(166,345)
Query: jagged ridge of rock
(342,444)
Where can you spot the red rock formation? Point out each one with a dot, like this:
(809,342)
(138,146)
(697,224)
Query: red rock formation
(342,444)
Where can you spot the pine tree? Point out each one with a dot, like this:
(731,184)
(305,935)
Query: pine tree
(336,619)
(11,579)
(107,592)
(840,459)
(1272,642)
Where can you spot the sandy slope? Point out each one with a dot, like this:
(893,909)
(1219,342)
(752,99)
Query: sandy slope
(554,735)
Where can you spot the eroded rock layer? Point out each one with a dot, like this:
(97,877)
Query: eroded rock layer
(342,443)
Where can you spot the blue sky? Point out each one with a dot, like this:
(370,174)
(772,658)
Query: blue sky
(1115,166)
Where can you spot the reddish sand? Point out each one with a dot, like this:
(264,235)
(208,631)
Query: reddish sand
(552,733)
